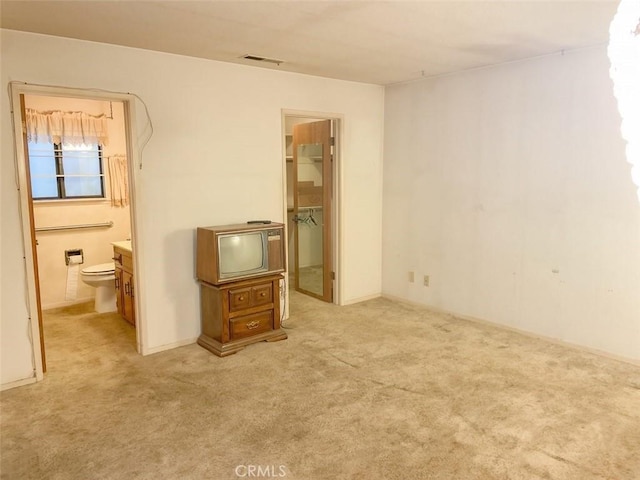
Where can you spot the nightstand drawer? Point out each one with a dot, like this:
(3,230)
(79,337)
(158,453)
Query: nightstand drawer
(249,325)
(243,298)
(239,299)
(261,295)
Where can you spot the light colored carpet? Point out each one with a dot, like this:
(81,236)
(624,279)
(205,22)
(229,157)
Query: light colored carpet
(378,390)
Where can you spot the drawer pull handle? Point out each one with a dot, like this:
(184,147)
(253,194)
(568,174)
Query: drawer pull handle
(240,299)
(253,324)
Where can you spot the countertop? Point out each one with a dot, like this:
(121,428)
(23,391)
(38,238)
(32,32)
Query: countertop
(124,244)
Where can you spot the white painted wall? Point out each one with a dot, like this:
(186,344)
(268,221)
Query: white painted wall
(509,187)
(95,242)
(215,158)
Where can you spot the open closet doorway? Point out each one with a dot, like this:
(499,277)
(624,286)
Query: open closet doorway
(73,152)
(311,202)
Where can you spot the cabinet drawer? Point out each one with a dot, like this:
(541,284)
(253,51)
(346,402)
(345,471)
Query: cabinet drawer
(239,299)
(243,298)
(123,258)
(127,263)
(261,295)
(249,325)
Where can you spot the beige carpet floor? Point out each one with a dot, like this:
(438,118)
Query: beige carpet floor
(378,390)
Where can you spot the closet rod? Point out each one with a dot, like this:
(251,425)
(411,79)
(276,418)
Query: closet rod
(73,227)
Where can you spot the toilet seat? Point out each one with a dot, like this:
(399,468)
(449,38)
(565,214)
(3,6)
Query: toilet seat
(101,269)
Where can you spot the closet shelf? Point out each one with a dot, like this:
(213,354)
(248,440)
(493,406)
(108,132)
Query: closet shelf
(318,207)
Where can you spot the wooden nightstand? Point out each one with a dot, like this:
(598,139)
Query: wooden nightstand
(237,314)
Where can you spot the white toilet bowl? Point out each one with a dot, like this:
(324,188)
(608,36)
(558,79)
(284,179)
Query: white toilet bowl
(102,277)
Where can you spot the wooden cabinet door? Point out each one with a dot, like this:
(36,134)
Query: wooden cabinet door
(119,291)
(128,312)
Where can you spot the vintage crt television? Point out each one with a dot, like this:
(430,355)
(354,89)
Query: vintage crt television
(228,253)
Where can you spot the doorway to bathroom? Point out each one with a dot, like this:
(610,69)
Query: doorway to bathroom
(73,163)
(311,159)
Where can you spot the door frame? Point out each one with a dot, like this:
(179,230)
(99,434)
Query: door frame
(336,217)
(309,133)
(26,204)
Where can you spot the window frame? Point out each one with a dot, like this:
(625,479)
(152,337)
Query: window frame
(58,157)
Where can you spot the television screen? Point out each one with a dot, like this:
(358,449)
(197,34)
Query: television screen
(241,253)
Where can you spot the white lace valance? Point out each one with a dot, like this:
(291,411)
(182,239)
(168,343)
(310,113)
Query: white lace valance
(72,128)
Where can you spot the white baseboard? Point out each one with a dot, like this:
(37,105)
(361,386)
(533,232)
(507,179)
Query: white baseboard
(168,346)
(361,299)
(77,301)
(18,383)
(575,346)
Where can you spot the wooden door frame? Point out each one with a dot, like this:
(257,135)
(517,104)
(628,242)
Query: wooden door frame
(337,217)
(18,90)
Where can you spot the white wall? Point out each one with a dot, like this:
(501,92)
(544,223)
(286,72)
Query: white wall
(215,158)
(508,186)
(95,242)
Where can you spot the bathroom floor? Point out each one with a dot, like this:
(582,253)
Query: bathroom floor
(77,336)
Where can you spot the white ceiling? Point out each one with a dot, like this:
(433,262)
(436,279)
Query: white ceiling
(380,42)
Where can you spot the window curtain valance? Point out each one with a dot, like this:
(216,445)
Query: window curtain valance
(72,128)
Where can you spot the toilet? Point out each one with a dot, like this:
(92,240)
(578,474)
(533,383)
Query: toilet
(102,277)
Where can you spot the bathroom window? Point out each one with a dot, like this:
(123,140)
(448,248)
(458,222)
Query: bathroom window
(61,171)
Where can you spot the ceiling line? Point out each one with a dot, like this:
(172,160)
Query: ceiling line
(493,65)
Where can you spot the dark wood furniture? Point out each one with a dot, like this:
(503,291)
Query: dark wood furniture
(240,313)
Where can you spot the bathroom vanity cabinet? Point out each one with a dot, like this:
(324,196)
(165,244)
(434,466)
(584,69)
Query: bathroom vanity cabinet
(125,296)
(240,313)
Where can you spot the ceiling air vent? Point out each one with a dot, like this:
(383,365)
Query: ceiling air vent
(256,58)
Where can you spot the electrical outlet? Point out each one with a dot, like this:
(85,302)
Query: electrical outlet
(411,277)
(425,280)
